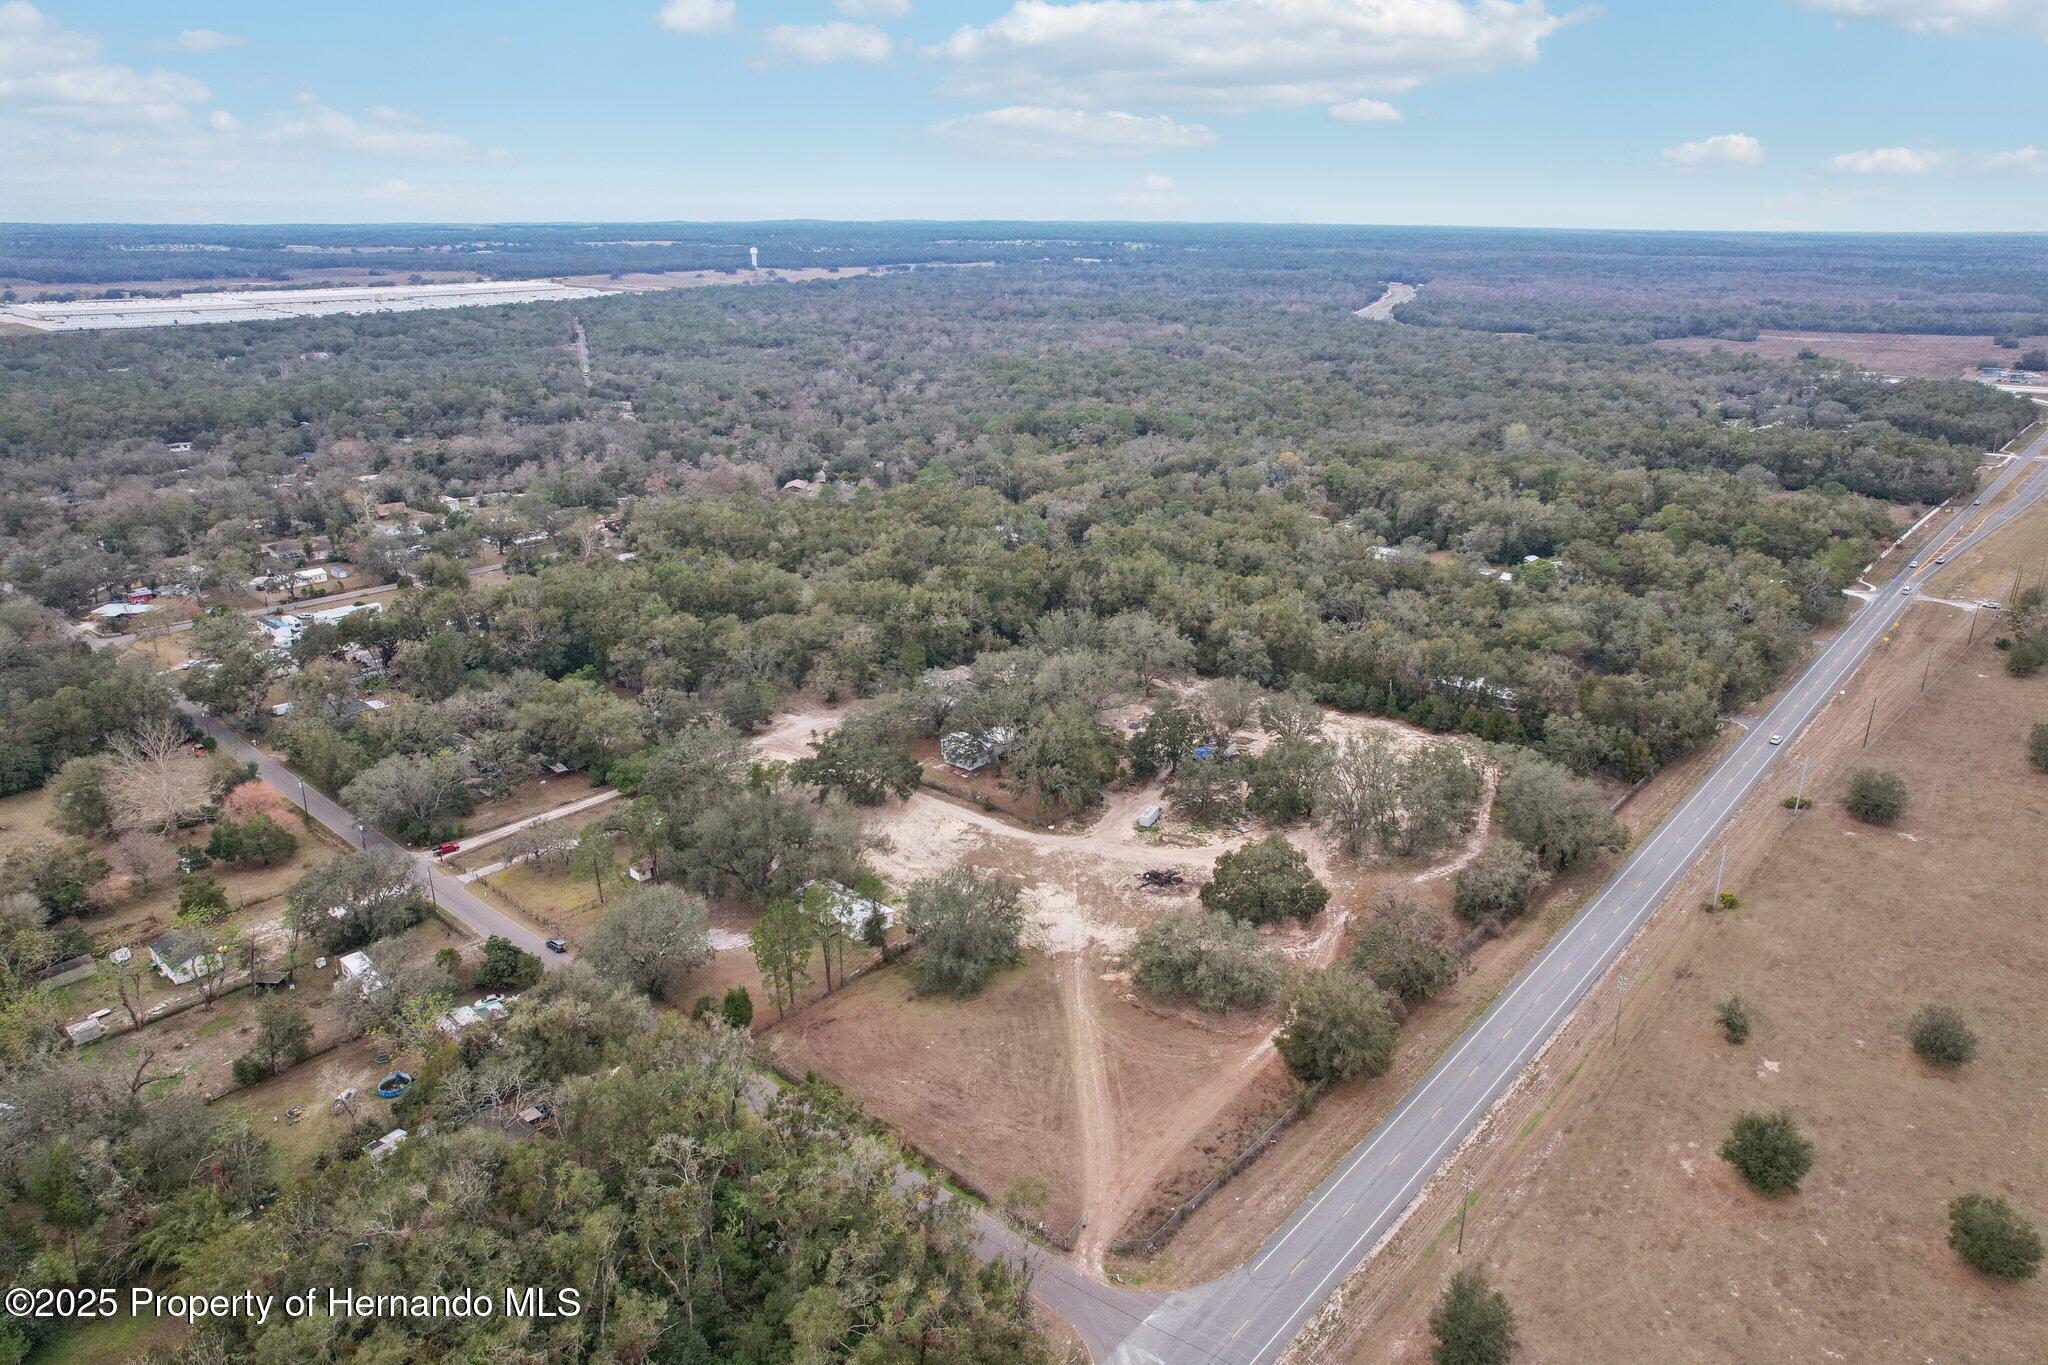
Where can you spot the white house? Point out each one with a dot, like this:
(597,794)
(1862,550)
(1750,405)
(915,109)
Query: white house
(849,907)
(970,753)
(183,956)
(284,631)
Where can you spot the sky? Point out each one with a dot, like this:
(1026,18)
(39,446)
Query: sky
(1893,115)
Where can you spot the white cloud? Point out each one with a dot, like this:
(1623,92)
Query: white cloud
(872,9)
(382,131)
(1721,150)
(1027,130)
(1945,18)
(2027,160)
(1362,110)
(1885,161)
(1152,194)
(1238,54)
(816,44)
(221,121)
(396,188)
(54,72)
(695,16)
(205,40)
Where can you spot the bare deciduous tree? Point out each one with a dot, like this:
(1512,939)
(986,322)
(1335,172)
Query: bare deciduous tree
(151,780)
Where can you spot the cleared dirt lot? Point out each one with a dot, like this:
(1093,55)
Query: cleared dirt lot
(1602,1207)
(1904,355)
(1118,1104)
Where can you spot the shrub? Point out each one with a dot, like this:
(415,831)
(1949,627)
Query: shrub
(1769,1151)
(1877,798)
(1498,883)
(2037,746)
(258,841)
(737,1008)
(1993,1237)
(506,966)
(1207,958)
(1265,881)
(1336,1024)
(1404,949)
(202,900)
(1941,1037)
(1472,1323)
(1735,1019)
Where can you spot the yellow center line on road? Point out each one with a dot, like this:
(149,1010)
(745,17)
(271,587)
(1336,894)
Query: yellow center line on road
(1240,1328)
(1299,1264)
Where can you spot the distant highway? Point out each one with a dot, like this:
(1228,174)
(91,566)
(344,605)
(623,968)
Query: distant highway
(1382,308)
(1251,1315)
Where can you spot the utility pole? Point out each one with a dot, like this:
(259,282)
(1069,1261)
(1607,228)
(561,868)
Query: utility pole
(1869,721)
(1620,992)
(1719,868)
(1799,795)
(1464,1204)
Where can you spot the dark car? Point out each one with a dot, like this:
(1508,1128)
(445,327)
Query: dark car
(558,945)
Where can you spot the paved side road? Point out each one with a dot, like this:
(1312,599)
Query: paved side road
(457,900)
(1250,1316)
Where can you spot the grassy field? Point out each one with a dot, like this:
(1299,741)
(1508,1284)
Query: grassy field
(1603,1209)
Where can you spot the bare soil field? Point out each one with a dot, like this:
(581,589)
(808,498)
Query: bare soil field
(1124,1105)
(1602,1208)
(1903,355)
(29,291)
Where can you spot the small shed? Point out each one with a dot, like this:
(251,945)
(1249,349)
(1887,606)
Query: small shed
(86,1031)
(642,870)
(1149,817)
(358,968)
(69,970)
(271,979)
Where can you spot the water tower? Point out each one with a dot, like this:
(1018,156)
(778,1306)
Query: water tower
(753,258)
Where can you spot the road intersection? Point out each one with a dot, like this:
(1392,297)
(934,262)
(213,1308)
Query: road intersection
(1250,1316)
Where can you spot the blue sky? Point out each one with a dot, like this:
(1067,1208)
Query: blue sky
(1820,114)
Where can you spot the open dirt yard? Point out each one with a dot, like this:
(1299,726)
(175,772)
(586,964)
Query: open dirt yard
(1602,1208)
(1903,355)
(1113,1105)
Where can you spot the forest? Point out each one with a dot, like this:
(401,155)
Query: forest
(1564,285)
(1170,473)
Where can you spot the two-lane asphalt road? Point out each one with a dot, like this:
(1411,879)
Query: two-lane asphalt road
(447,890)
(1251,1315)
